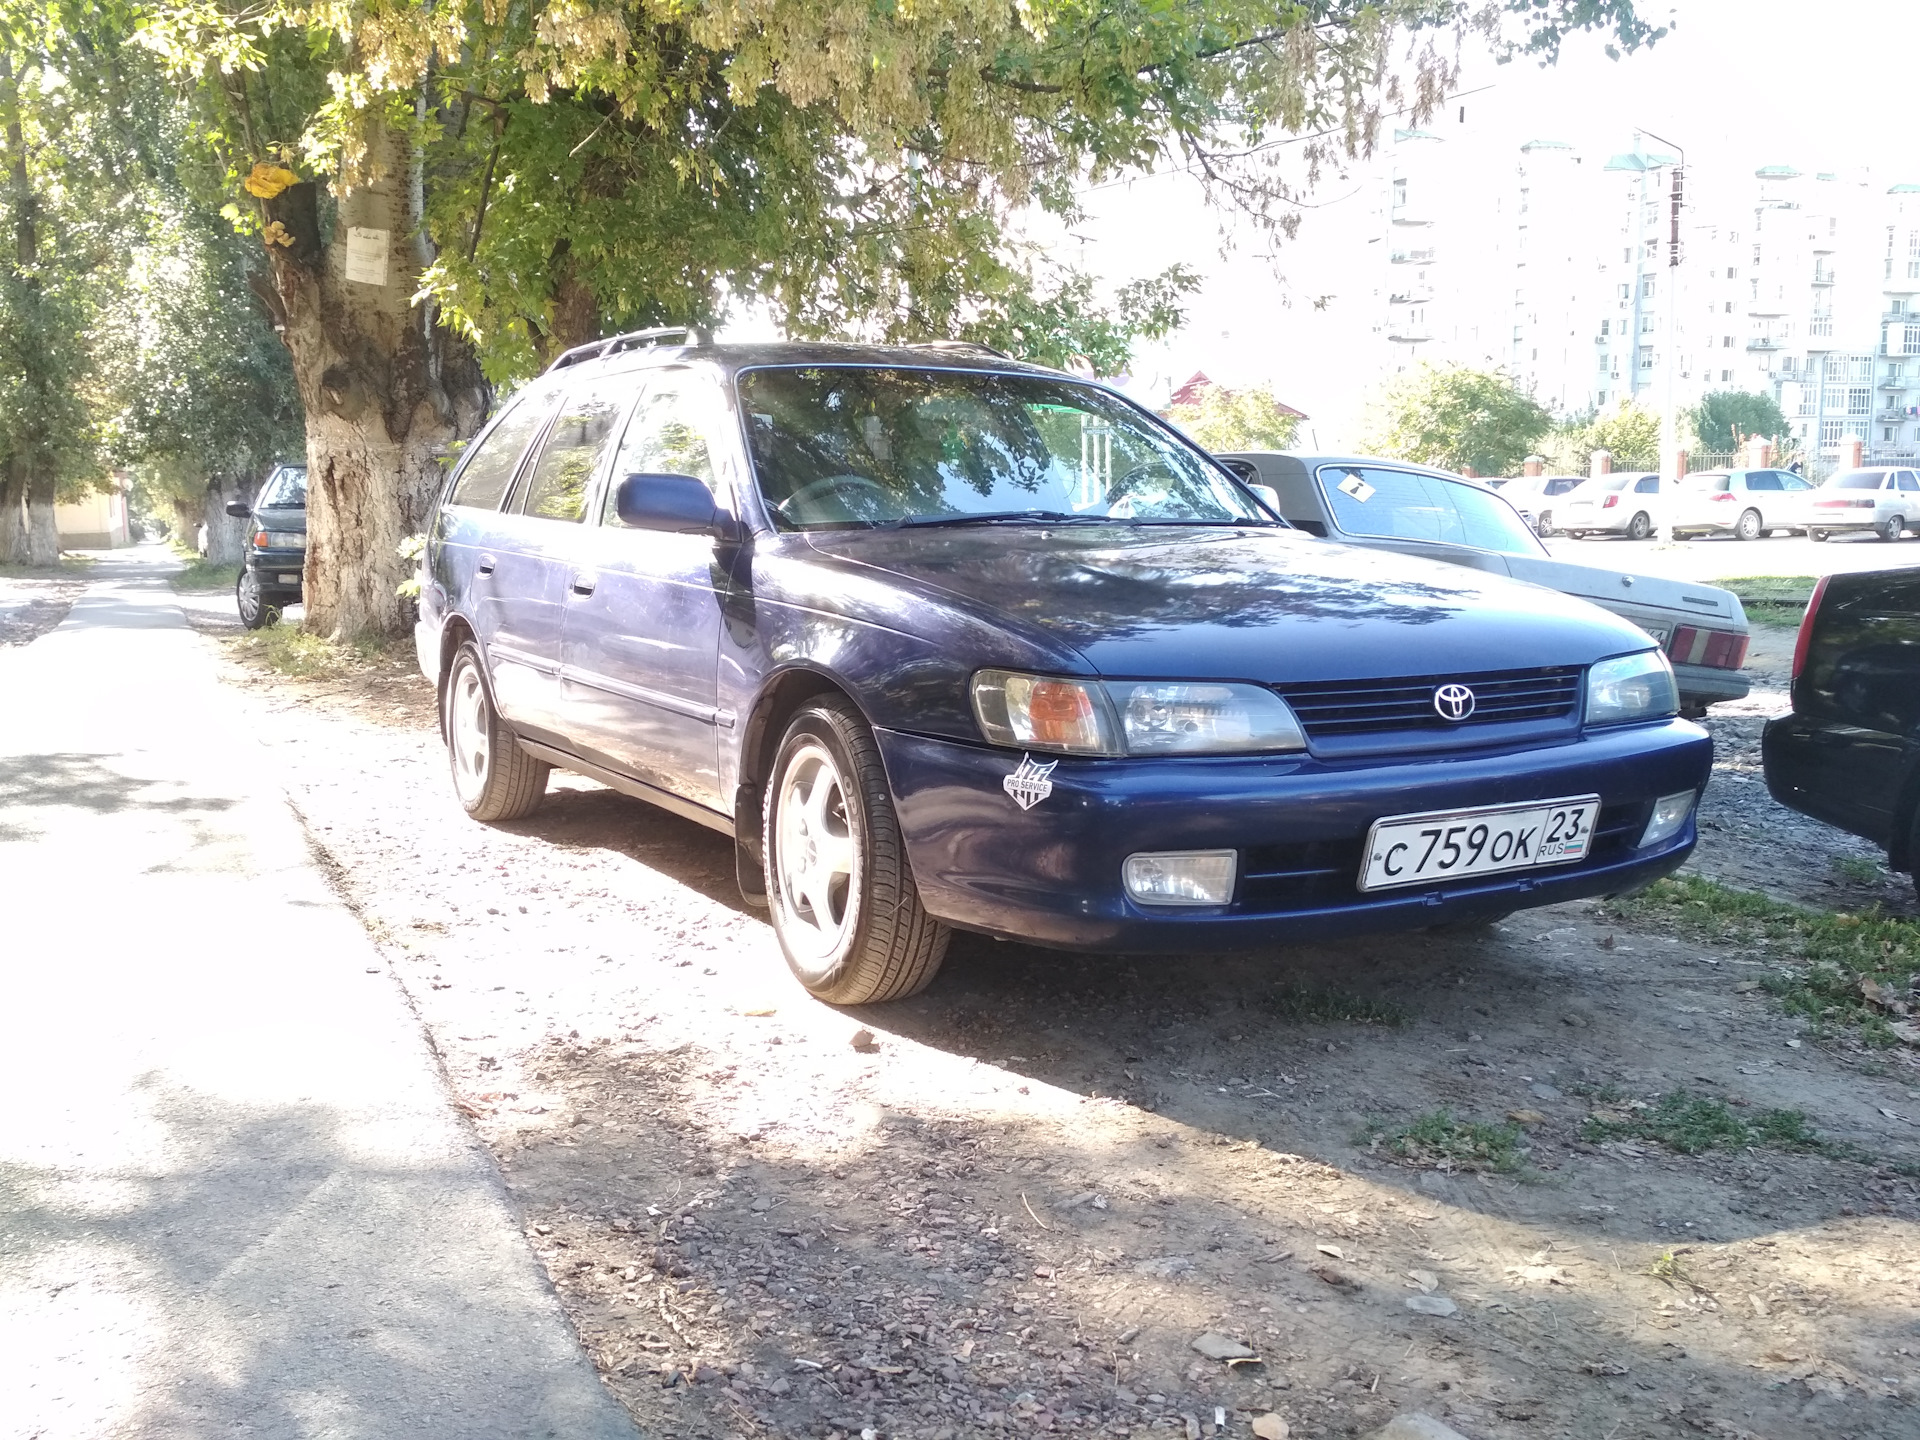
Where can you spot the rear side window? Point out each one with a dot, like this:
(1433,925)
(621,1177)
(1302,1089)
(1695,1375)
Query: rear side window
(484,479)
(557,488)
(1647,485)
(1763,480)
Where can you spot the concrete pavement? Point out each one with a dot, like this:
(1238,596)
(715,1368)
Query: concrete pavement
(234,1199)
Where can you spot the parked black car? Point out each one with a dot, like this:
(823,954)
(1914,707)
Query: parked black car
(1849,753)
(276,550)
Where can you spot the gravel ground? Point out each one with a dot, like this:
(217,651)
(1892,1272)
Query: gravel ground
(1012,1204)
(32,602)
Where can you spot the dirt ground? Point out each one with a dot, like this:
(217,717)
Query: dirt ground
(32,602)
(1012,1204)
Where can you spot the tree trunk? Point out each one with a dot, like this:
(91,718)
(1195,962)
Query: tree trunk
(386,392)
(43,536)
(226,534)
(13,515)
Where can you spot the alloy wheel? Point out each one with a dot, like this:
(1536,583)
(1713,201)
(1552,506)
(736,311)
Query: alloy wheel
(816,854)
(469,733)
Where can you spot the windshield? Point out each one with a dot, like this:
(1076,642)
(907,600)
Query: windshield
(842,445)
(1402,505)
(286,489)
(1857,480)
(1706,480)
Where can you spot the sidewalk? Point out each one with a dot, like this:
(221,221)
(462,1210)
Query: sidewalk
(234,1199)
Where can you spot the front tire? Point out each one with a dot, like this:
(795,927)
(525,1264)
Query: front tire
(255,613)
(1543,527)
(494,778)
(844,905)
(1748,526)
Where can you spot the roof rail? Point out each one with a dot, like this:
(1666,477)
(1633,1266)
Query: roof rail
(615,344)
(972,345)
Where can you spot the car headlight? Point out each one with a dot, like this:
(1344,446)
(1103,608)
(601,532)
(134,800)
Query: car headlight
(1631,687)
(1135,717)
(1160,718)
(1042,712)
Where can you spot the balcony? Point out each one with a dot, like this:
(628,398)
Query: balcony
(1410,297)
(1411,257)
(1403,216)
(1822,276)
(1409,334)
(1763,342)
(1892,414)
(1895,382)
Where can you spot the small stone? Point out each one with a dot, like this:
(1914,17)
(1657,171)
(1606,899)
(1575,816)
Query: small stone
(1432,1305)
(1216,1346)
(1526,1117)
(1540,1090)
(864,1042)
(1579,1022)
(1271,1427)
(1415,1426)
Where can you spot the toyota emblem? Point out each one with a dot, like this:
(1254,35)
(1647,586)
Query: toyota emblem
(1452,702)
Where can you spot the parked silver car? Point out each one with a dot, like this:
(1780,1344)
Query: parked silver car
(1396,505)
(1633,503)
(1883,498)
(1747,504)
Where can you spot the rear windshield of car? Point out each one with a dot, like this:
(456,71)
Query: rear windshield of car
(847,446)
(1858,480)
(1373,500)
(287,490)
(1707,480)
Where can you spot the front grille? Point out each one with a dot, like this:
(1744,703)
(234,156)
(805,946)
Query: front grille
(1371,707)
(1315,874)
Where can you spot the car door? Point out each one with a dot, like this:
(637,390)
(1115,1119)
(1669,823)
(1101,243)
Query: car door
(1650,494)
(1764,494)
(1909,487)
(643,619)
(539,554)
(1862,685)
(1795,498)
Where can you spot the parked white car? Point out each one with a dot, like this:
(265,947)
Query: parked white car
(1633,503)
(1744,503)
(1884,499)
(1539,498)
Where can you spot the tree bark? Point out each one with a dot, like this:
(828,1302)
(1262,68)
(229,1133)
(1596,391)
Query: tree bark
(43,536)
(226,534)
(13,514)
(386,392)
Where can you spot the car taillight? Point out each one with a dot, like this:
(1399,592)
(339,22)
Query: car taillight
(1725,495)
(1805,638)
(1715,649)
(1609,502)
(262,539)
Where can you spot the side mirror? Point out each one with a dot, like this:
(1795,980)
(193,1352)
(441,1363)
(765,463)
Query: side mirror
(1266,495)
(239,509)
(676,504)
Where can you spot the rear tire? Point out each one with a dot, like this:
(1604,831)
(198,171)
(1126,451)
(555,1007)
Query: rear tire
(1543,527)
(493,777)
(1640,527)
(1891,527)
(1819,537)
(845,908)
(1748,526)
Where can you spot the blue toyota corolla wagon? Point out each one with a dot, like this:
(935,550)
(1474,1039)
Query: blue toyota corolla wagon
(947,641)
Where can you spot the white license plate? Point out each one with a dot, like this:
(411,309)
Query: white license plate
(289,579)
(1448,844)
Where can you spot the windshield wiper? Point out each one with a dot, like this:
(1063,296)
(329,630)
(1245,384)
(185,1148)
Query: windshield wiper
(995,517)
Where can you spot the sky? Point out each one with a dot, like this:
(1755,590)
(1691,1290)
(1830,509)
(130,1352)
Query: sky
(1736,84)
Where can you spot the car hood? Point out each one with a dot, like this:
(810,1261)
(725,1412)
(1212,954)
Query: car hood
(1704,603)
(1271,606)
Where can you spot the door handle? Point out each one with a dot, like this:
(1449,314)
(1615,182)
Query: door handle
(584,581)
(487,562)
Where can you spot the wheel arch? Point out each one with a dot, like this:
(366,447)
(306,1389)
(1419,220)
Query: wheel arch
(780,698)
(454,632)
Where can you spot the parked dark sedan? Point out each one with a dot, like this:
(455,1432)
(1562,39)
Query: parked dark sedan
(271,573)
(944,640)
(1849,753)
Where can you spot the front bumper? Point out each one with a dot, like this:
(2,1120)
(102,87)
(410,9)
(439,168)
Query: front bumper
(1051,874)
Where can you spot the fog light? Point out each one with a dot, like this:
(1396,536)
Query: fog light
(1181,877)
(1670,812)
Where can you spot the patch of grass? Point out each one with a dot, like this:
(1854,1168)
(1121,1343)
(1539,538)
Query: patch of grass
(202,575)
(1694,1124)
(1437,1139)
(1608,1094)
(1836,952)
(67,567)
(1857,868)
(1307,1003)
(1772,599)
(291,651)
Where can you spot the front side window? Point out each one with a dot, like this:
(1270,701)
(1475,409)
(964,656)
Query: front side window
(1400,505)
(838,446)
(668,435)
(489,469)
(1763,480)
(1907,481)
(557,488)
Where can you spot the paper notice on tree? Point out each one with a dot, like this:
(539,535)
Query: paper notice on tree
(1356,487)
(367,255)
